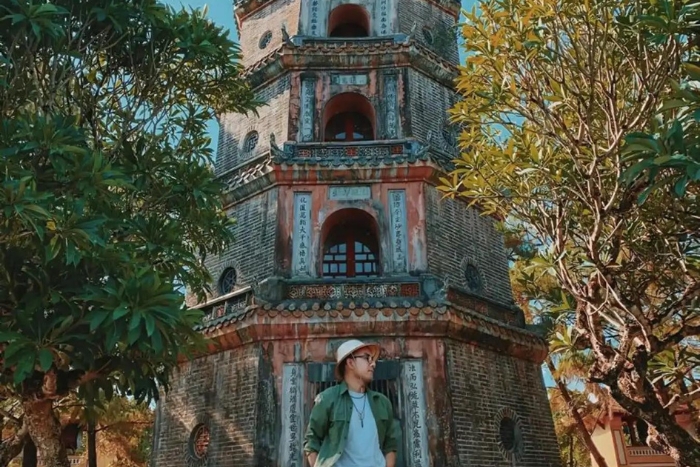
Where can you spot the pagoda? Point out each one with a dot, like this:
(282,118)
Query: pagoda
(342,233)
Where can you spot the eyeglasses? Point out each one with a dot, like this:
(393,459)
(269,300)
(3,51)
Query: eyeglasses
(367,357)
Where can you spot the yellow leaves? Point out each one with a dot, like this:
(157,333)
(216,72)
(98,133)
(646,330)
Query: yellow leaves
(476,60)
(496,40)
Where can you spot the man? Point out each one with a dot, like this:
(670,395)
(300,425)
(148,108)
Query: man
(351,425)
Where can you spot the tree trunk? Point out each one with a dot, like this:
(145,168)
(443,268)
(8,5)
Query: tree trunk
(580,425)
(571,450)
(665,434)
(45,430)
(29,455)
(11,447)
(92,445)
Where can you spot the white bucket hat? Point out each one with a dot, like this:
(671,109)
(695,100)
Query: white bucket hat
(349,347)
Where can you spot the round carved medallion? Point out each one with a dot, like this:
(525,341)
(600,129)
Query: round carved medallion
(227,281)
(473,279)
(197,454)
(509,426)
(265,39)
(428,35)
(250,141)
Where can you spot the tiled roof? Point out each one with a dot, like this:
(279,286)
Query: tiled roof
(336,48)
(250,172)
(400,309)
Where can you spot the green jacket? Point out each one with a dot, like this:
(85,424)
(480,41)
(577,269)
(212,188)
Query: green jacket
(330,420)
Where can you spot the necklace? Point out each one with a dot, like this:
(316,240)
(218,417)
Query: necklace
(362,413)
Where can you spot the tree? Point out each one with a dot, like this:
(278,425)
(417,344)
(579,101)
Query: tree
(108,199)
(13,431)
(574,452)
(550,90)
(125,431)
(565,362)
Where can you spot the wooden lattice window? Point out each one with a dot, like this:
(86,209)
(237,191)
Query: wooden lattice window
(349,116)
(387,380)
(349,126)
(351,251)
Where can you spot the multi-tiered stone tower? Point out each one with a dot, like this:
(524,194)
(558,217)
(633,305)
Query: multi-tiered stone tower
(342,233)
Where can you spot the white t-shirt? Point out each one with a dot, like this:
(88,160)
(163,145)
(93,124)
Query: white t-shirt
(362,446)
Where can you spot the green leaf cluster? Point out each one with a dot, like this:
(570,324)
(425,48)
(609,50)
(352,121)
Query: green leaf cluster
(108,200)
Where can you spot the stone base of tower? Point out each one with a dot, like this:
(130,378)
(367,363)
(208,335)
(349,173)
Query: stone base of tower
(467,390)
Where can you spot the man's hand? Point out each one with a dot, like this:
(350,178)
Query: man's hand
(390,459)
(314,455)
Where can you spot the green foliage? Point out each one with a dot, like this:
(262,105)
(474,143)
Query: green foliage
(108,200)
(667,152)
(551,90)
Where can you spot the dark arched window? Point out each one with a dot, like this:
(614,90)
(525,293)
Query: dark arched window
(348,117)
(349,126)
(348,21)
(351,246)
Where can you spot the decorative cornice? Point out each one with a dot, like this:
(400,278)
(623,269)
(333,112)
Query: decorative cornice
(387,318)
(307,53)
(314,293)
(357,153)
(320,162)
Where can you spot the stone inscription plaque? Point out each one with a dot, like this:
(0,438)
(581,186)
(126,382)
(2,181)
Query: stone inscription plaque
(397,209)
(384,21)
(307,109)
(358,80)
(316,25)
(392,114)
(416,429)
(292,415)
(302,234)
(349,193)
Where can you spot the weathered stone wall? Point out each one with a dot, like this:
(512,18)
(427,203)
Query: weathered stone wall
(439,22)
(428,103)
(482,383)
(458,236)
(220,391)
(272,17)
(273,117)
(253,251)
